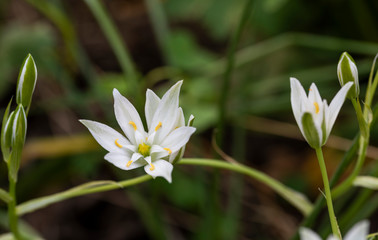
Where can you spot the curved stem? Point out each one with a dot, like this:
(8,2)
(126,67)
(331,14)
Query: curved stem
(363,144)
(332,217)
(88,188)
(345,185)
(296,199)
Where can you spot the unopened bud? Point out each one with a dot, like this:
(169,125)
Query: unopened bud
(26,82)
(347,72)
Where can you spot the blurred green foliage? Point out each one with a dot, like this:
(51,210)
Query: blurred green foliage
(281,39)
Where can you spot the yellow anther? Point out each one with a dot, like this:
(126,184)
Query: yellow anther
(158,126)
(152,167)
(168,150)
(116,143)
(316,107)
(129,163)
(133,124)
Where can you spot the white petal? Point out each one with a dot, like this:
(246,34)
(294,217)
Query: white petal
(167,111)
(180,120)
(158,152)
(125,112)
(298,97)
(358,231)
(136,156)
(332,237)
(335,106)
(148,159)
(106,136)
(162,168)
(178,138)
(152,103)
(314,95)
(120,160)
(307,234)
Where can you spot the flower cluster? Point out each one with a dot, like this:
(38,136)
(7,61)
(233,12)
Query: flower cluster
(155,149)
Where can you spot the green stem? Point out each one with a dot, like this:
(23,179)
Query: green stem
(363,144)
(360,117)
(229,69)
(12,215)
(160,26)
(296,199)
(116,42)
(346,184)
(84,189)
(332,217)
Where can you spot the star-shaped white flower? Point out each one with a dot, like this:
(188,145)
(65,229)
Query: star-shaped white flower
(313,115)
(156,148)
(358,232)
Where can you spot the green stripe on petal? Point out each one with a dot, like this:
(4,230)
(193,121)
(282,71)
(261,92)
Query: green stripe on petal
(310,131)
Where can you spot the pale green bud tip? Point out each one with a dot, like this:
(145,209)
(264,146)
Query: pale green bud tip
(347,72)
(26,81)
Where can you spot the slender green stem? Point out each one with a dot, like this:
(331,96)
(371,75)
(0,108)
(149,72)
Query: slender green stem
(296,199)
(323,169)
(84,189)
(229,69)
(12,215)
(160,26)
(347,183)
(363,144)
(116,42)
(360,117)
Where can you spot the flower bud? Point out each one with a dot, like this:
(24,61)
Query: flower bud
(17,122)
(6,133)
(347,72)
(26,82)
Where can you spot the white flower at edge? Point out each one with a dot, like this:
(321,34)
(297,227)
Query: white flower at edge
(313,115)
(156,148)
(358,232)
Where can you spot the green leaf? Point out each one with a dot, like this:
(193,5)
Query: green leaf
(6,133)
(4,195)
(26,82)
(366,182)
(310,131)
(18,140)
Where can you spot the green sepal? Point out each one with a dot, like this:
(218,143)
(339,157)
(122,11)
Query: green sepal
(345,74)
(309,130)
(27,79)
(6,133)
(18,140)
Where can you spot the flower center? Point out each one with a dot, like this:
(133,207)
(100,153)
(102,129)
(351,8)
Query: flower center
(316,107)
(144,149)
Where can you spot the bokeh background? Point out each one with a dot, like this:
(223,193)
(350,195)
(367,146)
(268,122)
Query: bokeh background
(235,57)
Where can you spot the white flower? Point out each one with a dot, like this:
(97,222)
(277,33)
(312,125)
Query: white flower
(156,148)
(313,115)
(359,232)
